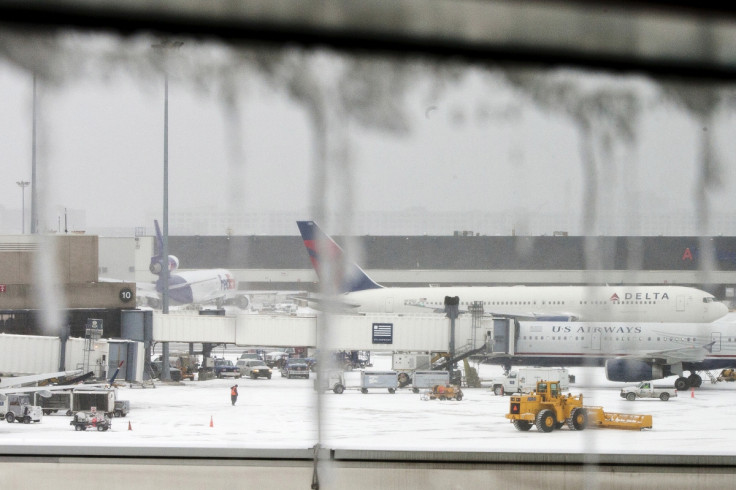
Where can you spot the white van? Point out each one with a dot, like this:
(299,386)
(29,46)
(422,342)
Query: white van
(525,380)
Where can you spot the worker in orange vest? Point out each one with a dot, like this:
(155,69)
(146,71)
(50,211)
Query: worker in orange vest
(234,394)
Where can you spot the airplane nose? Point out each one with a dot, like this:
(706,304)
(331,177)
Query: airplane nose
(720,310)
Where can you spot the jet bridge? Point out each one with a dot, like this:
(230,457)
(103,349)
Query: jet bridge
(391,332)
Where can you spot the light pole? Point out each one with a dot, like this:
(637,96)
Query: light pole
(161,47)
(23,184)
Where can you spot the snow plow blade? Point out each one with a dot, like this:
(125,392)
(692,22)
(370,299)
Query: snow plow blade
(598,418)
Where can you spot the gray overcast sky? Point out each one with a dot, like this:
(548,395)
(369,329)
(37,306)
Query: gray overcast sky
(476,146)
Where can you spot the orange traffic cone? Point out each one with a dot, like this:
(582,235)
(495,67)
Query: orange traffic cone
(692,392)
(211,424)
(129,427)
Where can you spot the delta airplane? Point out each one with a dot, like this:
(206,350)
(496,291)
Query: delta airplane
(189,287)
(360,294)
(631,351)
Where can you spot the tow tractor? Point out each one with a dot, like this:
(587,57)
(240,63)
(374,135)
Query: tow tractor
(549,409)
(84,420)
(443,392)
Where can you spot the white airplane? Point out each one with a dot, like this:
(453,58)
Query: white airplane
(359,293)
(16,384)
(631,351)
(188,287)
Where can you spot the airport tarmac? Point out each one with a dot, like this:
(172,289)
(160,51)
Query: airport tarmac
(283,414)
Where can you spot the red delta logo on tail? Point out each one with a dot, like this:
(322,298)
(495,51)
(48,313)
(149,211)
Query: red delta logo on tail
(348,276)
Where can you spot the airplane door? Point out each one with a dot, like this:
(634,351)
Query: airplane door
(389,305)
(681,303)
(595,341)
(716,337)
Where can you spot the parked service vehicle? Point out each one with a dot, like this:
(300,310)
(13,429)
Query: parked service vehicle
(295,368)
(158,367)
(525,380)
(249,355)
(122,407)
(275,359)
(224,368)
(647,390)
(332,380)
(18,408)
(254,368)
(96,420)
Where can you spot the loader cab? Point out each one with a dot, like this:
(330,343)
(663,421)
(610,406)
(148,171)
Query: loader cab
(548,389)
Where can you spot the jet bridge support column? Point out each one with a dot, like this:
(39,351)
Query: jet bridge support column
(451,309)
(63,337)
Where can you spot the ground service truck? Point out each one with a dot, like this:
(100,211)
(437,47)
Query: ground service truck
(525,380)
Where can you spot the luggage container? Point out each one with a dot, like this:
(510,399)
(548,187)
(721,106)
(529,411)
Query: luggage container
(78,400)
(429,379)
(379,379)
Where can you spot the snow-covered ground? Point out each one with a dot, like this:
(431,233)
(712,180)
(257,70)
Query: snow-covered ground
(281,413)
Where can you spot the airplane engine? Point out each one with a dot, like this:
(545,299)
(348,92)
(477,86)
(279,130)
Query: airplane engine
(155,267)
(173,263)
(243,302)
(630,370)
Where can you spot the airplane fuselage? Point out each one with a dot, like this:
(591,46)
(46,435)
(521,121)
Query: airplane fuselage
(581,303)
(592,343)
(199,286)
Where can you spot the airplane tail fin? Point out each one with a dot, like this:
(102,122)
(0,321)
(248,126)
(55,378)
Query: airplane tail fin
(350,277)
(158,261)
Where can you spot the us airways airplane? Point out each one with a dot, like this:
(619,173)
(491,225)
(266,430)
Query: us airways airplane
(189,287)
(359,293)
(630,351)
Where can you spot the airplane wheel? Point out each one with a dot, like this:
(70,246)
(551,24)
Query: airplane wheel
(694,380)
(681,384)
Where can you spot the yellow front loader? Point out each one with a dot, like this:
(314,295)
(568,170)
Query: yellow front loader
(549,409)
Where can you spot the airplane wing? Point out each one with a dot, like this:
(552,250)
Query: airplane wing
(322,303)
(12,381)
(695,353)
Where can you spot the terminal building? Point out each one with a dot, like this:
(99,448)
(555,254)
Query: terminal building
(463,259)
